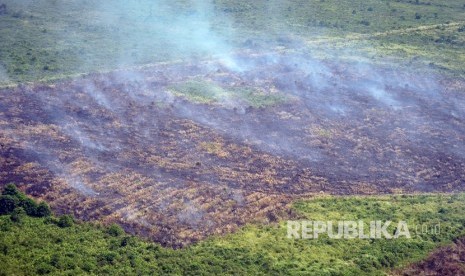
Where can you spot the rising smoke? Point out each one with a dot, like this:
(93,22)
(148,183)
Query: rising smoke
(112,116)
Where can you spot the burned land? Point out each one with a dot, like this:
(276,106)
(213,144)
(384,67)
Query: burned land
(149,149)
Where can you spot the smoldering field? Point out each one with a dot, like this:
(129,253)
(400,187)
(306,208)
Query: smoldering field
(180,150)
(123,147)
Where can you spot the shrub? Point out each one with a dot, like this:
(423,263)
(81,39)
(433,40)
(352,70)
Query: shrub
(18,214)
(7,204)
(365,22)
(368,263)
(106,258)
(4,249)
(11,190)
(43,210)
(65,221)
(115,230)
(88,266)
(12,197)
(51,220)
(44,268)
(5,225)
(129,241)
(29,205)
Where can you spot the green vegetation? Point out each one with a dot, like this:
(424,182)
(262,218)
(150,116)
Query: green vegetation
(49,39)
(209,92)
(13,202)
(48,245)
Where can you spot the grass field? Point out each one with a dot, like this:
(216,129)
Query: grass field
(30,245)
(46,39)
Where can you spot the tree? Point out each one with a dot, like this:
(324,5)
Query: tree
(7,204)
(29,205)
(43,210)
(11,190)
(17,214)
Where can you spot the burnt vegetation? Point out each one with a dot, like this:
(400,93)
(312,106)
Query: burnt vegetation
(122,148)
(447,260)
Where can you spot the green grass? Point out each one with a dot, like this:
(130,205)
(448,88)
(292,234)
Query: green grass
(50,39)
(39,245)
(209,92)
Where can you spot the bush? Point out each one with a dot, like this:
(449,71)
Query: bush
(12,198)
(11,190)
(88,266)
(65,221)
(125,241)
(4,249)
(115,230)
(7,204)
(43,210)
(29,205)
(44,268)
(18,214)
(5,225)
(107,258)
(368,263)
(365,22)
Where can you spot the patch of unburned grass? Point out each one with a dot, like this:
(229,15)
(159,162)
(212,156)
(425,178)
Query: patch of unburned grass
(211,93)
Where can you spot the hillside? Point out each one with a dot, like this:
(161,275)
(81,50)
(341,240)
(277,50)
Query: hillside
(185,137)
(49,246)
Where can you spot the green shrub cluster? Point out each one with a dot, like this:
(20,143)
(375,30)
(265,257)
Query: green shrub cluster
(14,202)
(61,246)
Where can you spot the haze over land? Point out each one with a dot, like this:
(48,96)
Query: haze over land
(46,39)
(182,120)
